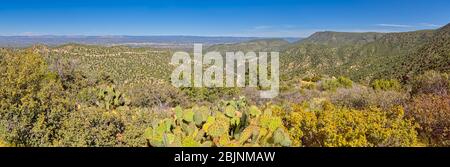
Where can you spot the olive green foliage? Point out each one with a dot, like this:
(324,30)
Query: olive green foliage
(267,45)
(42,106)
(32,101)
(90,127)
(333,84)
(109,98)
(122,64)
(94,126)
(314,78)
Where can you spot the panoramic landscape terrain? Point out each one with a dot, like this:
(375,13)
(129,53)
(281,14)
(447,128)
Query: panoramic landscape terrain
(337,89)
(364,84)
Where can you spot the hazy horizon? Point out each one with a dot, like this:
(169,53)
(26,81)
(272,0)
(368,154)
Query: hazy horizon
(285,18)
(188,35)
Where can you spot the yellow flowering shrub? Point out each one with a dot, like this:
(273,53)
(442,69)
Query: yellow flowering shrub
(342,127)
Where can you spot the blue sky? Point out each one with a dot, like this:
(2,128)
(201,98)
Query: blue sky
(262,18)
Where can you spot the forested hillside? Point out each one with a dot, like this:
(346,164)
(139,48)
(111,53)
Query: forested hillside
(342,38)
(254,45)
(391,55)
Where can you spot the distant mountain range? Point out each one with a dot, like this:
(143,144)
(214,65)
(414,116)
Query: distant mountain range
(365,56)
(133,41)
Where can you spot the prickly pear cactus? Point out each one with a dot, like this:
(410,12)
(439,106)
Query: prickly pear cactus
(188,115)
(234,126)
(217,126)
(200,115)
(109,98)
(254,111)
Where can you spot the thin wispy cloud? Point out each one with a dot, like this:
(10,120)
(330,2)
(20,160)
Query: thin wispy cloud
(264,27)
(30,34)
(261,27)
(289,26)
(420,25)
(395,25)
(429,25)
(289,30)
(296,31)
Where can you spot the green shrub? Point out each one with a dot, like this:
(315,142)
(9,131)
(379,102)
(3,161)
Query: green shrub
(90,127)
(386,85)
(109,97)
(333,84)
(33,102)
(94,127)
(152,94)
(314,78)
(345,82)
